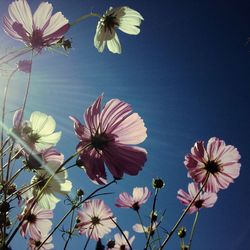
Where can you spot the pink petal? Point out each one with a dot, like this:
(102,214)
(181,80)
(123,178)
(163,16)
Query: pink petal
(124,159)
(94,166)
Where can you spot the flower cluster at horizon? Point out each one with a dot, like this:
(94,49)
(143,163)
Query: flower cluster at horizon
(106,138)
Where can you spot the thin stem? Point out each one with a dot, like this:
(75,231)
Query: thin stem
(71,230)
(193,228)
(87,242)
(184,213)
(122,233)
(3,115)
(151,221)
(27,90)
(84,17)
(140,219)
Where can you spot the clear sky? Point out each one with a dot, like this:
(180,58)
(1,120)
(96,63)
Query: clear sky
(187,74)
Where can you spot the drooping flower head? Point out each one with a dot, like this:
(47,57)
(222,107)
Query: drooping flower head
(35,244)
(122,18)
(140,196)
(121,243)
(57,185)
(37,223)
(24,66)
(221,161)
(42,29)
(107,138)
(38,133)
(205,199)
(94,219)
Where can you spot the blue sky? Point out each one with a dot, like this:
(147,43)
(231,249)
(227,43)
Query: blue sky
(186,74)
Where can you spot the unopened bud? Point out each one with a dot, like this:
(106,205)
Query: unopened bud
(79,192)
(158,183)
(182,232)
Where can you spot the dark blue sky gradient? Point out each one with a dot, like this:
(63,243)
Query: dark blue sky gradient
(187,74)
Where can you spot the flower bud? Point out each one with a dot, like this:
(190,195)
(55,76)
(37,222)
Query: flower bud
(79,192)
(158,183)
(182,232)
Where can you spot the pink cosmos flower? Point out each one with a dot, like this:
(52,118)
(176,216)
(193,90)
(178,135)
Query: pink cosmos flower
(221,161)
(24,66)
(34,244)
(140,196)
(37,224)
(107,138)
(121,243)
(38,31)
(94,219)
(204,199)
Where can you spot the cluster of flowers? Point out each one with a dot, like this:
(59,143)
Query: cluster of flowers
(107,140)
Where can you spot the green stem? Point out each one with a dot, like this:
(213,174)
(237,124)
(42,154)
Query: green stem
(184,213)
(71,230)
(140,219)
(3,116)
(84,17)
(193,228)
(151,221)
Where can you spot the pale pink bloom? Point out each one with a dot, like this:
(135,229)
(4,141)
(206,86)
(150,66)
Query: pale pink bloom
(140,196)
(37,224)
(205,199)
(37,31)
(34,244)
(107,138)
(121,243)
(24,66)
(139,228)
(221,161)
(94,219)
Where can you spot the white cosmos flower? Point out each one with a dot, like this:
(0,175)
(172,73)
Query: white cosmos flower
(58,184)
(38,132)
(44,126)
(122,18)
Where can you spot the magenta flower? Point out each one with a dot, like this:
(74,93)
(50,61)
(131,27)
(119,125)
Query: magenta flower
(204,199)
(24,66)
(221,161)
(37,223)
(140,196)
(106,139)
(94,219)
(38,31)
(121,243)
(34,244)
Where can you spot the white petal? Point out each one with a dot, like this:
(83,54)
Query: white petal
(48,201)
(42,15)
(20,12)
(42,124)
(57,21)
(114,45)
